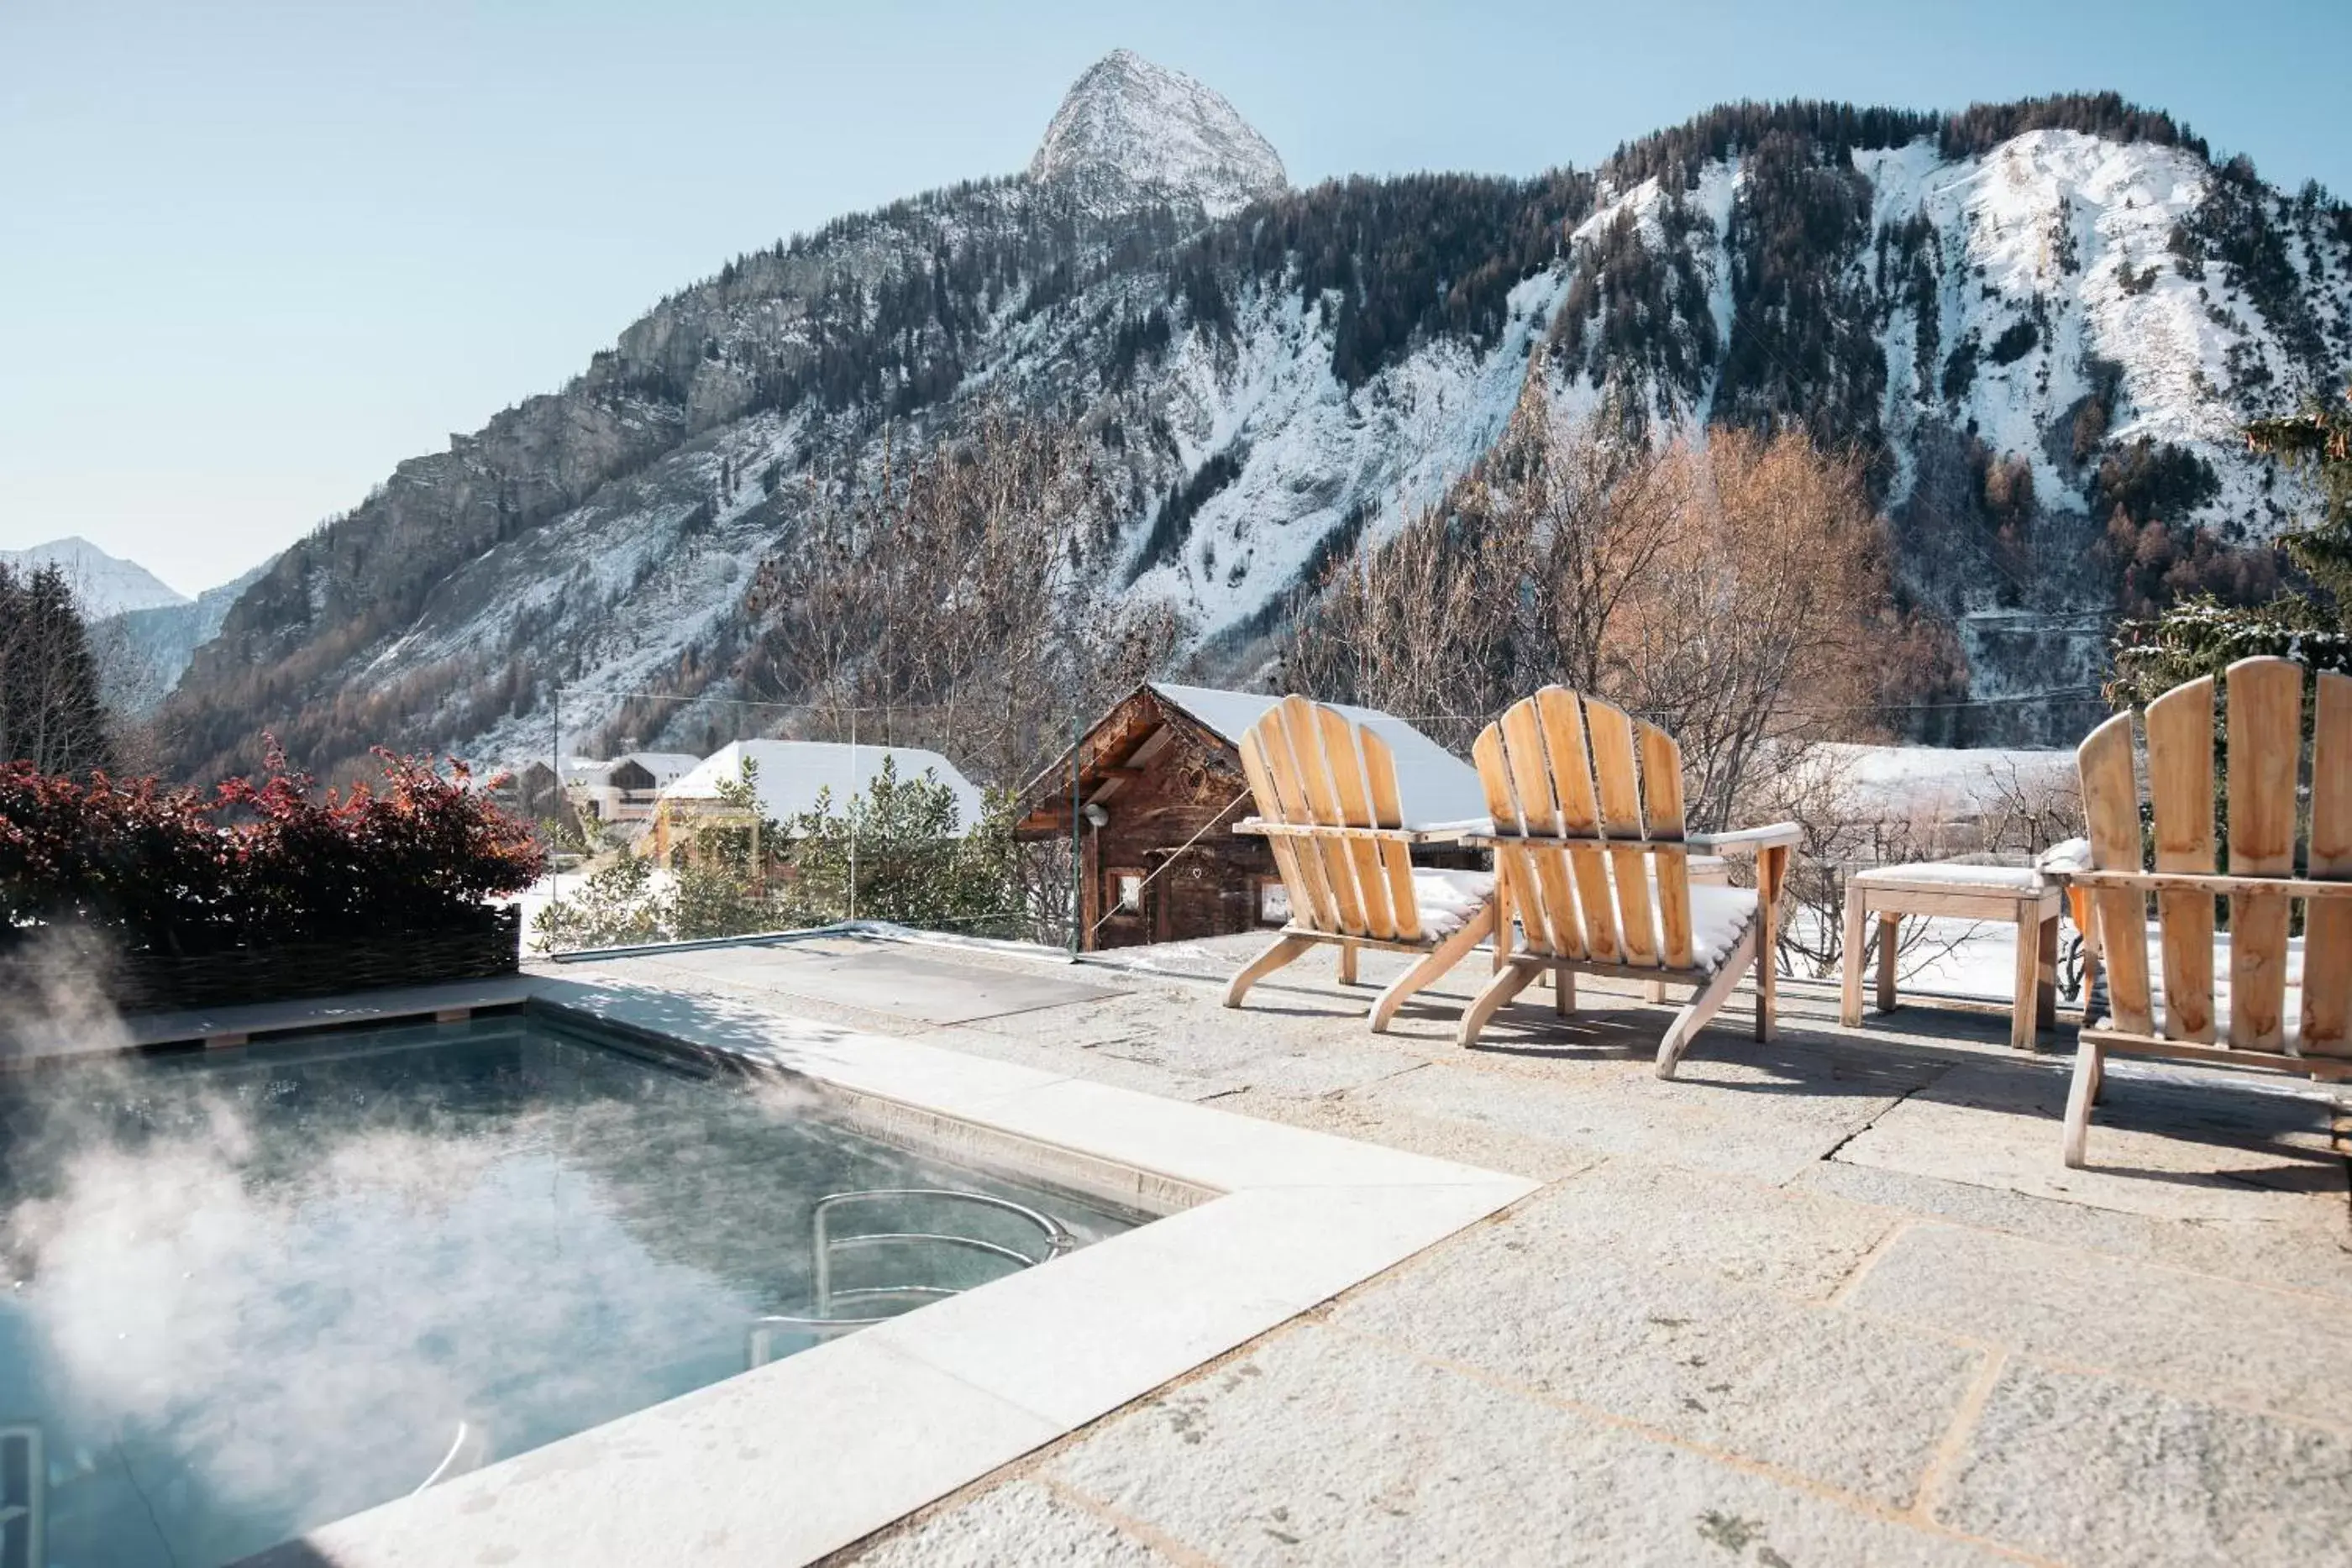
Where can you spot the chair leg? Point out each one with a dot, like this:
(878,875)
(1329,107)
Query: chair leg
(2089,1068)
(1704,1006)
(1563,992)
(1287,949)
(1890,938)
(1440,958)
(1347,963)
(1850,993)
(1505,985)
(2045,988)
(1654,990)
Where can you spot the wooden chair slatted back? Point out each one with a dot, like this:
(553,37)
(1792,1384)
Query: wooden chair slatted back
(1353,795)
(1662,803)
(1388,811)
(1298,860)
(2181,793)
(1295,715)
(1308,764)
(1609,731)
(2327,922)
(1579,811)
(1560,765)
(2110,810)
(2264,749)
(1546,910)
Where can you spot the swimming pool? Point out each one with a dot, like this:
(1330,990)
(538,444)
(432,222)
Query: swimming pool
(246,1292)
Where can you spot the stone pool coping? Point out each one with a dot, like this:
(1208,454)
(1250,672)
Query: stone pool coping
(803,1456)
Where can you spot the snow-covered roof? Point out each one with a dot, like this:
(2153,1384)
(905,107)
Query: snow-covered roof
(1433,786)
(791,773)
(666,767)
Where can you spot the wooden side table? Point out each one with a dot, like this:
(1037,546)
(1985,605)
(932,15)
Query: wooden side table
(2021,895)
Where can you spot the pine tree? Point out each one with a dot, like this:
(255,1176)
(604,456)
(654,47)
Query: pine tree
(2321,436)
(2203,637)
(51,712)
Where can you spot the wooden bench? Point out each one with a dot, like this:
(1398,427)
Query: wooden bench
(2019,895)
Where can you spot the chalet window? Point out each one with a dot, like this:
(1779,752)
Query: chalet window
(1273,902)
(1125,892)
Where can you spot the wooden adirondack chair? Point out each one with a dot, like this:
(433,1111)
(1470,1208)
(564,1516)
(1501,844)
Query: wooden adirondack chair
(1594,863)
(1327,802)
(2265,746)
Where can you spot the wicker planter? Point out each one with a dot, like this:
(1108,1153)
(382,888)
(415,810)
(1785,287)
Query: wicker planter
(161,982)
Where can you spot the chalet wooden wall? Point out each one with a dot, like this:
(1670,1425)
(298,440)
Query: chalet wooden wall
(1186,794)
(1164,781)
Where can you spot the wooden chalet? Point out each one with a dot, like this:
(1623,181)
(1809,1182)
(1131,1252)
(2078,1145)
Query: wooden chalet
(1160,787)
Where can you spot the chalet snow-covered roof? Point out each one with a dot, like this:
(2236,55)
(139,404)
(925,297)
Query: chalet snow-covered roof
(791,774)
(1433,784)
(666,767)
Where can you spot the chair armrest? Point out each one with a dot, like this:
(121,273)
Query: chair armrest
(1748,841)
(1260,827)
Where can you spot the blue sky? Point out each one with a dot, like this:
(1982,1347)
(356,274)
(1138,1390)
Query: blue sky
(252,254)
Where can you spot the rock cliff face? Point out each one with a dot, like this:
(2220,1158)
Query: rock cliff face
(1132,134)
(2032,316)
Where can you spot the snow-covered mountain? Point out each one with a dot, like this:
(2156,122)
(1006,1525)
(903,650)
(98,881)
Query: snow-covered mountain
(1132,134)
(2041,322)
(103,584)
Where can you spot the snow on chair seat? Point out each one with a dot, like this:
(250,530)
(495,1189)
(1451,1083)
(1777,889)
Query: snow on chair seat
(1449,900)
(1591,848)
(1328,808)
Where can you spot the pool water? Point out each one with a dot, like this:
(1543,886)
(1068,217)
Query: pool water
(243,1293)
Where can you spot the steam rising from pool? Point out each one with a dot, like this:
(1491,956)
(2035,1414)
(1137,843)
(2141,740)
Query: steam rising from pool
(255,1291)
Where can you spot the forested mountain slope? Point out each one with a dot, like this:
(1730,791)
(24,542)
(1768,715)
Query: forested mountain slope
(2042,322)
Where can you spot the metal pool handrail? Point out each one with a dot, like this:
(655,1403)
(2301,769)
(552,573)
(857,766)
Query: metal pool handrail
(824,1323)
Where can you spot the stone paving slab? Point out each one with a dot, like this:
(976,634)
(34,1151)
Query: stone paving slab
(1768,1133)
(1321,1447)
(2085,1468)
(2207,1150)
(1854,1404)
(1024,1522)
(2276,1251)
(1355,1116)
(1639,1217)
(2284,1351)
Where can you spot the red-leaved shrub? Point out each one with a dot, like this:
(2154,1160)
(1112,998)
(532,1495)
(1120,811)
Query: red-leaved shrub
(181,871)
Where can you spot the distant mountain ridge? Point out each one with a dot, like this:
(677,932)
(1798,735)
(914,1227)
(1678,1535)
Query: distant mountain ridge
(2035,319)
(104,584)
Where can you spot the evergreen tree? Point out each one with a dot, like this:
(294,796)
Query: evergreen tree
(51,712)
(2321,436)
(2204,637)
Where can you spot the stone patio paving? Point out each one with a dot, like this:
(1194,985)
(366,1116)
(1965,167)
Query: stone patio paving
(1828,1300)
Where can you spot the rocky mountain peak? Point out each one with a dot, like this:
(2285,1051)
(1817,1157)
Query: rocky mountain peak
(1130,133)
(104,584)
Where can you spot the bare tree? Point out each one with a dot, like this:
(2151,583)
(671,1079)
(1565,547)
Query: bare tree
(1763,622)
(1736,593)
(943,597)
